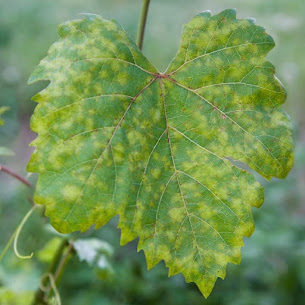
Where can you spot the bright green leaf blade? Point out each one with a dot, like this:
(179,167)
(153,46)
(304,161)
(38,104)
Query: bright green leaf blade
(117,137)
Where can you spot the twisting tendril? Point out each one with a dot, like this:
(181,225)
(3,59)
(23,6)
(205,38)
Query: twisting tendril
(52,285)
(17,233)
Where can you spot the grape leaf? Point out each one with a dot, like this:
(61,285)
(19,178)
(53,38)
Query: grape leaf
(115,136)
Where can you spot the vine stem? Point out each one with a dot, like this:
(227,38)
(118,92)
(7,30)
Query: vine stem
(63,262)
(142,23)
(39,297)
(8,171)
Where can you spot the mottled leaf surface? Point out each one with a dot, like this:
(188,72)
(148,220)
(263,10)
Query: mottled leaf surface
(115,136)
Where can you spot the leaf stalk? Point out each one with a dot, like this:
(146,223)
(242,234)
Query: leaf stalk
(142,23)
(8,171)
(40,295)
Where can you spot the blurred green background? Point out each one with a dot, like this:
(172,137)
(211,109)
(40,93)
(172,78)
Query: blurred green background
(273,262)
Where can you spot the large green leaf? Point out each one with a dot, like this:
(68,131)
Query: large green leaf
(118,137)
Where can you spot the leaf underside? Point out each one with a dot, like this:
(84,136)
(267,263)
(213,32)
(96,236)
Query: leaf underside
(115,136)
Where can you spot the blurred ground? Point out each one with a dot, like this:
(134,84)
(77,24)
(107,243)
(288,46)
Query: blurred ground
(273,266)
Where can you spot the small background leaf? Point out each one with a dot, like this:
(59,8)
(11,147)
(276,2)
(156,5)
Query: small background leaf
(97,254)
(6,152)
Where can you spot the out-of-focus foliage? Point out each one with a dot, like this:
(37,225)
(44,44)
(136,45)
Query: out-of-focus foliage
(2,110)
(272,271)
(97,253)
(4,151)
(8,297)
(46,254)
